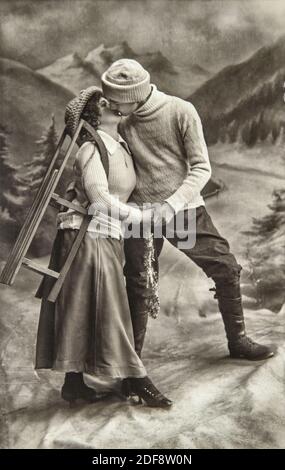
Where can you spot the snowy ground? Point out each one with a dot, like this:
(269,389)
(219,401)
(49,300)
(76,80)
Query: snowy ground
(219,403)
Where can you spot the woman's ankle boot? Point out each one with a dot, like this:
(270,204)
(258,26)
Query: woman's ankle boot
(146,391)
(74,388)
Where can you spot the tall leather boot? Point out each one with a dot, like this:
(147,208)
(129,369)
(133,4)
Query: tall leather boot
(230,305)
(139,322)
(139,313)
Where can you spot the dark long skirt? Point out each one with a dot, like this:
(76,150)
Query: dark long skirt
(89,327)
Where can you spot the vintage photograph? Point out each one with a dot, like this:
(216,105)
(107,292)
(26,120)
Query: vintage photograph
(142,224)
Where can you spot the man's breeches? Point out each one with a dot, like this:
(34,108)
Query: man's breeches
(211,252)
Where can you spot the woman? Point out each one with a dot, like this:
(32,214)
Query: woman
(90,329)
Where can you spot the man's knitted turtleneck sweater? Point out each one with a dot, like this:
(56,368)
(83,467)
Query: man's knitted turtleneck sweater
(171,160)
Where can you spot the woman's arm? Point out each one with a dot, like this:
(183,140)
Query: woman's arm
(89,166)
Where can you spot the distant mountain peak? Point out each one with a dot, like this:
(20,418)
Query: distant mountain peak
(77,59)
(67,61)
(110,54)
(76,71)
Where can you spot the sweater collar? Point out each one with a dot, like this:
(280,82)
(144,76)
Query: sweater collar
(156,100)
(112,144)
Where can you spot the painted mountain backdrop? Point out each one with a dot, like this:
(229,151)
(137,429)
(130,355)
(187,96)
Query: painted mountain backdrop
(28,100)
(245,98)
(241,102)
(52,51)
(76,72)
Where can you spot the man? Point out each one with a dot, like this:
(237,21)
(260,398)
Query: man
(166,138)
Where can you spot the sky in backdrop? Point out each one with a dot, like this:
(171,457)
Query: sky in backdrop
(210,33)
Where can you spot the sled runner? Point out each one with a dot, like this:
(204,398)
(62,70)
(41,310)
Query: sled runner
(46,196)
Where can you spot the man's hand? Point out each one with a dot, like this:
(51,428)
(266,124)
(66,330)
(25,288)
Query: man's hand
(163,213)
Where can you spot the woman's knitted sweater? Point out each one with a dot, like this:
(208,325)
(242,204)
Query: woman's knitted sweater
(107,198)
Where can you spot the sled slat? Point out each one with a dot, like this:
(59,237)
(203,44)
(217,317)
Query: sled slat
(71,255)
(28,263)
(63,202)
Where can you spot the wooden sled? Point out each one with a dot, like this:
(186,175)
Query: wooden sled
(46,195)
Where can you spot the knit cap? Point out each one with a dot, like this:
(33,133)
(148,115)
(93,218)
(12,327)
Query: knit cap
(126,81)
(75,108)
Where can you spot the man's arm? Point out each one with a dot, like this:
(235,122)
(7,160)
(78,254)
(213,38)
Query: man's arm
(197,157)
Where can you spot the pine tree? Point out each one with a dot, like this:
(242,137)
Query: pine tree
(266,252)
(18,190)
(275,131)
(33,173)
(245,133)
(233,131)
(263,127)
(253,133)
(9,178)
(281,138)
(223,135)
(35,170)
(265,227)
(250,133)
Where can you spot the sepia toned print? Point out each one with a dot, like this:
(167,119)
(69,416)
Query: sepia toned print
(146,140)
